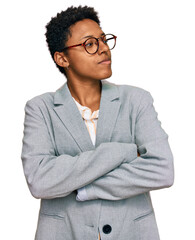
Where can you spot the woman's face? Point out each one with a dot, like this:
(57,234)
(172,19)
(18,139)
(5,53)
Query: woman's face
(83,65)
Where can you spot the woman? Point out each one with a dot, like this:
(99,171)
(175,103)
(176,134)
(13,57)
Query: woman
(93,150)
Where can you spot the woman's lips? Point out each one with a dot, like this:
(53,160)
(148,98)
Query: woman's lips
(106,62)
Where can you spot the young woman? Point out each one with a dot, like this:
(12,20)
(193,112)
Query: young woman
(93,150)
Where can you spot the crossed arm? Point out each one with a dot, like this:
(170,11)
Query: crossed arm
(130,169)
(151,169)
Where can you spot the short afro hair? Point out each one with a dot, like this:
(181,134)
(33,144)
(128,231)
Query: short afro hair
(58,29)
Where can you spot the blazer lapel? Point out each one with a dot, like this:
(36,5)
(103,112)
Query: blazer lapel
(69,114)
(108,112)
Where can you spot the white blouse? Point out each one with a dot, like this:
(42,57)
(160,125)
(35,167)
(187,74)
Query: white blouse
(90,119)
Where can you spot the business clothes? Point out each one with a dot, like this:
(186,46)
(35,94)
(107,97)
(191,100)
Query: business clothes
(59,158)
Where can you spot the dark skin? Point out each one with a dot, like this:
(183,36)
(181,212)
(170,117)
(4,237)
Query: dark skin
(84,71)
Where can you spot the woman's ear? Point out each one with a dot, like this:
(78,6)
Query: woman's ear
(61,59)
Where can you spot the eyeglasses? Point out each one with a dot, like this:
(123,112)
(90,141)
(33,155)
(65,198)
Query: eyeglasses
(91,45)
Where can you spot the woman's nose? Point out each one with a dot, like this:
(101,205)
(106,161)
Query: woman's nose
(103,47)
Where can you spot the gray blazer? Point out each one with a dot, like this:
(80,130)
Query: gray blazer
(59,158)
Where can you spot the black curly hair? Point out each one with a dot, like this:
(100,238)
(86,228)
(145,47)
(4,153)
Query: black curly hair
(58,29)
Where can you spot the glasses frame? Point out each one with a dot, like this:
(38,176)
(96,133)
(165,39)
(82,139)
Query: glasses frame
(97,39)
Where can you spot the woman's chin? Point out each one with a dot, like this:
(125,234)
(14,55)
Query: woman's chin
(106,74)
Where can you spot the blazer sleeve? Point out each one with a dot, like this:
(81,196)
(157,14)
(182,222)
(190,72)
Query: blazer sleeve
(153,169)
(50,176)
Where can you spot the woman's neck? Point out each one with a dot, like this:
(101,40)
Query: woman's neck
(86,93)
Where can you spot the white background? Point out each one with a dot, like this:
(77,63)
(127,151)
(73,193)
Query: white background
(155,50)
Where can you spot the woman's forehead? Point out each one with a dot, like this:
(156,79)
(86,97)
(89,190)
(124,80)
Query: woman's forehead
(85,28)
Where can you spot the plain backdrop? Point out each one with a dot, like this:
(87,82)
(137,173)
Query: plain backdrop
(155,50)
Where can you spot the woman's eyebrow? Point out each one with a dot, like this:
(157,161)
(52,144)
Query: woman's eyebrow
(91,36)
(87,36)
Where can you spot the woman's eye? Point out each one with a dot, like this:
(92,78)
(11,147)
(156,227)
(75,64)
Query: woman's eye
(89,44)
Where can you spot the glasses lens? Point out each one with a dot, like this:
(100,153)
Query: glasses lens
(109,40)
(91,45)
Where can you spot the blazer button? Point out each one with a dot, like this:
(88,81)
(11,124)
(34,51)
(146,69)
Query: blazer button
(107,229)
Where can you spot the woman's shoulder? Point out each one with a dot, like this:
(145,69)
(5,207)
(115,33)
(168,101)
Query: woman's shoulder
(130,91)
(42,99)
(134,96)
